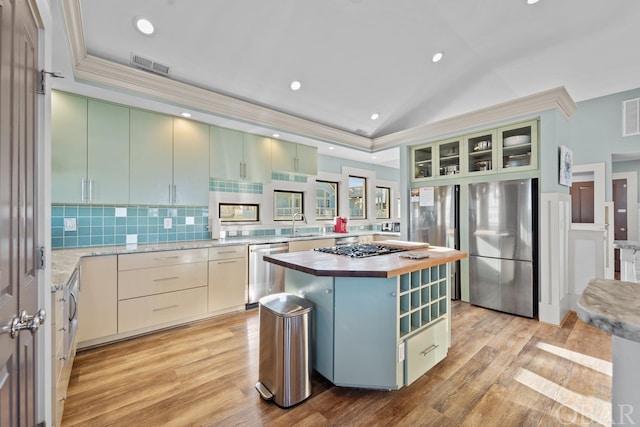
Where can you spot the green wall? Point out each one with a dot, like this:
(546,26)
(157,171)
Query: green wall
(595,132)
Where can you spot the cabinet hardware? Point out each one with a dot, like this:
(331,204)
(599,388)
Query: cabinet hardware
(227,262)
(227,252)
(175,195)
(90,198)
(64,328)
(164,258)
(82,190)
(164,279)
(429,350)
(166,308)
(65,357)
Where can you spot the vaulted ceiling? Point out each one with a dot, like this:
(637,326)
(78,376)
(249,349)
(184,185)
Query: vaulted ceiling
(354,58)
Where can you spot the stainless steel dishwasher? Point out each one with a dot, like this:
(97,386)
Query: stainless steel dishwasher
(265,278)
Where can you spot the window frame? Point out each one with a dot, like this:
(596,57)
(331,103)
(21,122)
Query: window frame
(363,198)
(277,217)
(336,200)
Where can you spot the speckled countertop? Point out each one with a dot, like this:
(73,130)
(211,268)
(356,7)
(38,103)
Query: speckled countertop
(613,306)
(626,244)
(65,261)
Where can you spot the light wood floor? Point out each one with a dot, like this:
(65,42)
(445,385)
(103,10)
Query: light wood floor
(501,370)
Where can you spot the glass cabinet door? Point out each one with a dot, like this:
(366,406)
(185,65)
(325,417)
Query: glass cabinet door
(480,149)
(449,158)
(423,162)
(518,145)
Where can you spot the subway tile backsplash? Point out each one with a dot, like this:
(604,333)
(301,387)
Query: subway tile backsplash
(103,225)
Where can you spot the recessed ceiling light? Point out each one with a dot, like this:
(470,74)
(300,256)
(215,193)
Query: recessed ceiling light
(185,114)
(375,116)
(437,57)
(331,148)
(276,135)
(373,157)
(295,85)
(532,1)
(144,26)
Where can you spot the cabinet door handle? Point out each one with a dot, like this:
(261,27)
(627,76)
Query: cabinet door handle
(175,194)
(90,198)
(82,190)
(227,262)
(429,350)
(166,308)
(170,197)
(166,258)
(164,279)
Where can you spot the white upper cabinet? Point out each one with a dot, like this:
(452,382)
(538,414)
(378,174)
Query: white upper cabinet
(190,163)
(151,151)
(90,150)
(238,156)
(68,148)
(291,157)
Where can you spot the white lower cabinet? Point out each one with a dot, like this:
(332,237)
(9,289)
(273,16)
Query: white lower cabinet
(227,278)
(305,245)
(98,299)
(156,310)
(424,350)
(160,288)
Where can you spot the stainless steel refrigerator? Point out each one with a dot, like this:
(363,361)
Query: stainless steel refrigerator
(503,245)
(434,219)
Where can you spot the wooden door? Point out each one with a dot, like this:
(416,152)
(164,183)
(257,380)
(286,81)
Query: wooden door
(18,210)
(620,217)
(582,208)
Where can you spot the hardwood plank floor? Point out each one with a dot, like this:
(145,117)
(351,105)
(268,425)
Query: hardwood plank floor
(501,370)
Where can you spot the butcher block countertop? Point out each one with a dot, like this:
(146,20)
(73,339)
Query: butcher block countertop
(382,266)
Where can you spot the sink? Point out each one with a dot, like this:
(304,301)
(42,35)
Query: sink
(301,235)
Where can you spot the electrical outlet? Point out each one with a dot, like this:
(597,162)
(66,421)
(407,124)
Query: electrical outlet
(168,223)
(189,220)
(233,233)
(70,224)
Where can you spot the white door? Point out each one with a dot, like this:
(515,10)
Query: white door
(18,211)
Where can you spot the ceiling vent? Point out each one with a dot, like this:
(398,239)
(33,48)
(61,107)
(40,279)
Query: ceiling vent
(361,132)
(149,64)
(631,117)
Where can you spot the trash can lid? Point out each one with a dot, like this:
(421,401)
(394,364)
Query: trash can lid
(285,304)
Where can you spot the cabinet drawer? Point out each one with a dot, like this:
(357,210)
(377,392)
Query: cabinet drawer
(151,281)
(158,259)
(138,313)
(424,351)
(226,252)
(227,283)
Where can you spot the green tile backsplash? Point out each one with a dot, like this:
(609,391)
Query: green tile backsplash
(235,186)
(104,225)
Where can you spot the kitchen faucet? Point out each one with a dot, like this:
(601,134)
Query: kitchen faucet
(293,223)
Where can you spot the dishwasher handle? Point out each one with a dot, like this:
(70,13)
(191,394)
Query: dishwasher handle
(272,249)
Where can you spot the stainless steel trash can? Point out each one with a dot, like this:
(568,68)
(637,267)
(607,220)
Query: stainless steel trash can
(284,370)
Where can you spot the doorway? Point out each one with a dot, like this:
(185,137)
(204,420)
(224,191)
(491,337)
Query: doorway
(582,202)
(620,220)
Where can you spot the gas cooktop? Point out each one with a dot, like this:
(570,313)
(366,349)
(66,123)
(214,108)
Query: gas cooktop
(360,250)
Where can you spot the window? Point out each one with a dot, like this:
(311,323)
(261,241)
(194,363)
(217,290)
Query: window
(228,212)
(326,200)
(357,197)
(383,195)
(286,203)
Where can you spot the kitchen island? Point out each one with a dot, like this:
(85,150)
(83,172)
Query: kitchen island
(380,321)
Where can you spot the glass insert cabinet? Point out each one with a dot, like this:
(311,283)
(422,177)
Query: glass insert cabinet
(500,150)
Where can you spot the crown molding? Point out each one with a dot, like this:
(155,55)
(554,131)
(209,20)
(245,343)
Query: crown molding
(108,74)
(557,98)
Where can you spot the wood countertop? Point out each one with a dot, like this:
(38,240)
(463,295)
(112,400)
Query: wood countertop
(381,266)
